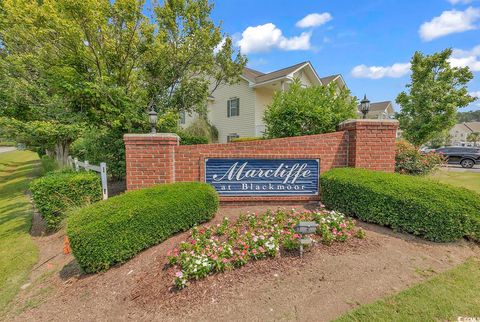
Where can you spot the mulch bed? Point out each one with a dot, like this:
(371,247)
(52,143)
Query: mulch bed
(155,290)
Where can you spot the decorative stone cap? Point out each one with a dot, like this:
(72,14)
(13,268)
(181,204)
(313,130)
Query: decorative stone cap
(352,123)
(162,137)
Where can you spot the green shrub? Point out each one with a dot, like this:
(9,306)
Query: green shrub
(247,139)
(416,205)
(201,127)
(58,192)
(187,139)
(102,145)
(114,230)
(308,110)
(8,143)
(408,160)
(48,165)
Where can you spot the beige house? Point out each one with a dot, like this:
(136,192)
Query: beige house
(237,110)
(460,132)
(379,110)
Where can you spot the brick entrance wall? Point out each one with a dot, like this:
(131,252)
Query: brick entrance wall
(158,158)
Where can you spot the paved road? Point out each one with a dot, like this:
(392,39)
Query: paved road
(7,149)
(458,168)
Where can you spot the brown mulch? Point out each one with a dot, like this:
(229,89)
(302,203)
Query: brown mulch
(327,282)
(156,290)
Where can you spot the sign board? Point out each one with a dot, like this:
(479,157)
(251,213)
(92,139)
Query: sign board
(263,177)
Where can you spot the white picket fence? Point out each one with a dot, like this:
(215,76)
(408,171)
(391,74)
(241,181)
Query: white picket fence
(102,169)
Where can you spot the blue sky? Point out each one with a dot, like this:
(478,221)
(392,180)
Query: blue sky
(369,42)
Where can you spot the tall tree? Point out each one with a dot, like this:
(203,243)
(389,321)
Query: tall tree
(474,138)
(435,93)
(100,63)
(470,116)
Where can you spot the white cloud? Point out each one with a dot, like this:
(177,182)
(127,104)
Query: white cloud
(454,2)
(463,58)
(449,22)
(475,94)
(459,58)
(267,37)
(314,20)
(375,72)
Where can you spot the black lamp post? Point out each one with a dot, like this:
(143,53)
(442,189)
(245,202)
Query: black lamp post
(152,116)
(365,106)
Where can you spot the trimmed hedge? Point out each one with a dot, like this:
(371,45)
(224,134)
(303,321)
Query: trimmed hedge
(416,205)
(60,191)
(187,139)
(115,230)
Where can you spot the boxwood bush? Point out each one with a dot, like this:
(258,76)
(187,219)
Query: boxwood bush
(114,230)
(60,191)
(416,205)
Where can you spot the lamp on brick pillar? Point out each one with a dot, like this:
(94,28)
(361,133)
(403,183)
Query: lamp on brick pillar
(153,118)
(365,106)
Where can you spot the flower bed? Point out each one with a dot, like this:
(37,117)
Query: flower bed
(227,246)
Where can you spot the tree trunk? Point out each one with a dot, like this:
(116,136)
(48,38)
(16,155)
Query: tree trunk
(50,153)
(61,153)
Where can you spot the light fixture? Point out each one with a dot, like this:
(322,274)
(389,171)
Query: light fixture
(152,116)
(365,106)
(303,228)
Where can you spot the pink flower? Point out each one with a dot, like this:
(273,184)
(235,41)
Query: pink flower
(224,260)
(193,242)
(254,252)
(261,249)
(179,274)
(296,236)
(343,225)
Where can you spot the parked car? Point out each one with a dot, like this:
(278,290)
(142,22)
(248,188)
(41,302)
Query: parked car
(465,156)
(426,150)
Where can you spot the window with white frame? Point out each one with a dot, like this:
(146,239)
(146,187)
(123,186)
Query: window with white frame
(233,107)
(232,136)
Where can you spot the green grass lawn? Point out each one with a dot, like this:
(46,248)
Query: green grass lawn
(18,253)
(443,298)
(469,180)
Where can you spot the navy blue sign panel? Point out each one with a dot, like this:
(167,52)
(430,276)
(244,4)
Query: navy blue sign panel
(263,177)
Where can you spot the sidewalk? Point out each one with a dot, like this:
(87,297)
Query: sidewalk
(7,149)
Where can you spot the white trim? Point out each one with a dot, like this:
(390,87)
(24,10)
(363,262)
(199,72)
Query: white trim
(299,68)
(272,80)
(250,83)
(311,67)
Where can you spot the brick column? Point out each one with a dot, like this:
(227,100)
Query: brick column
(150,159)
(371,143)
